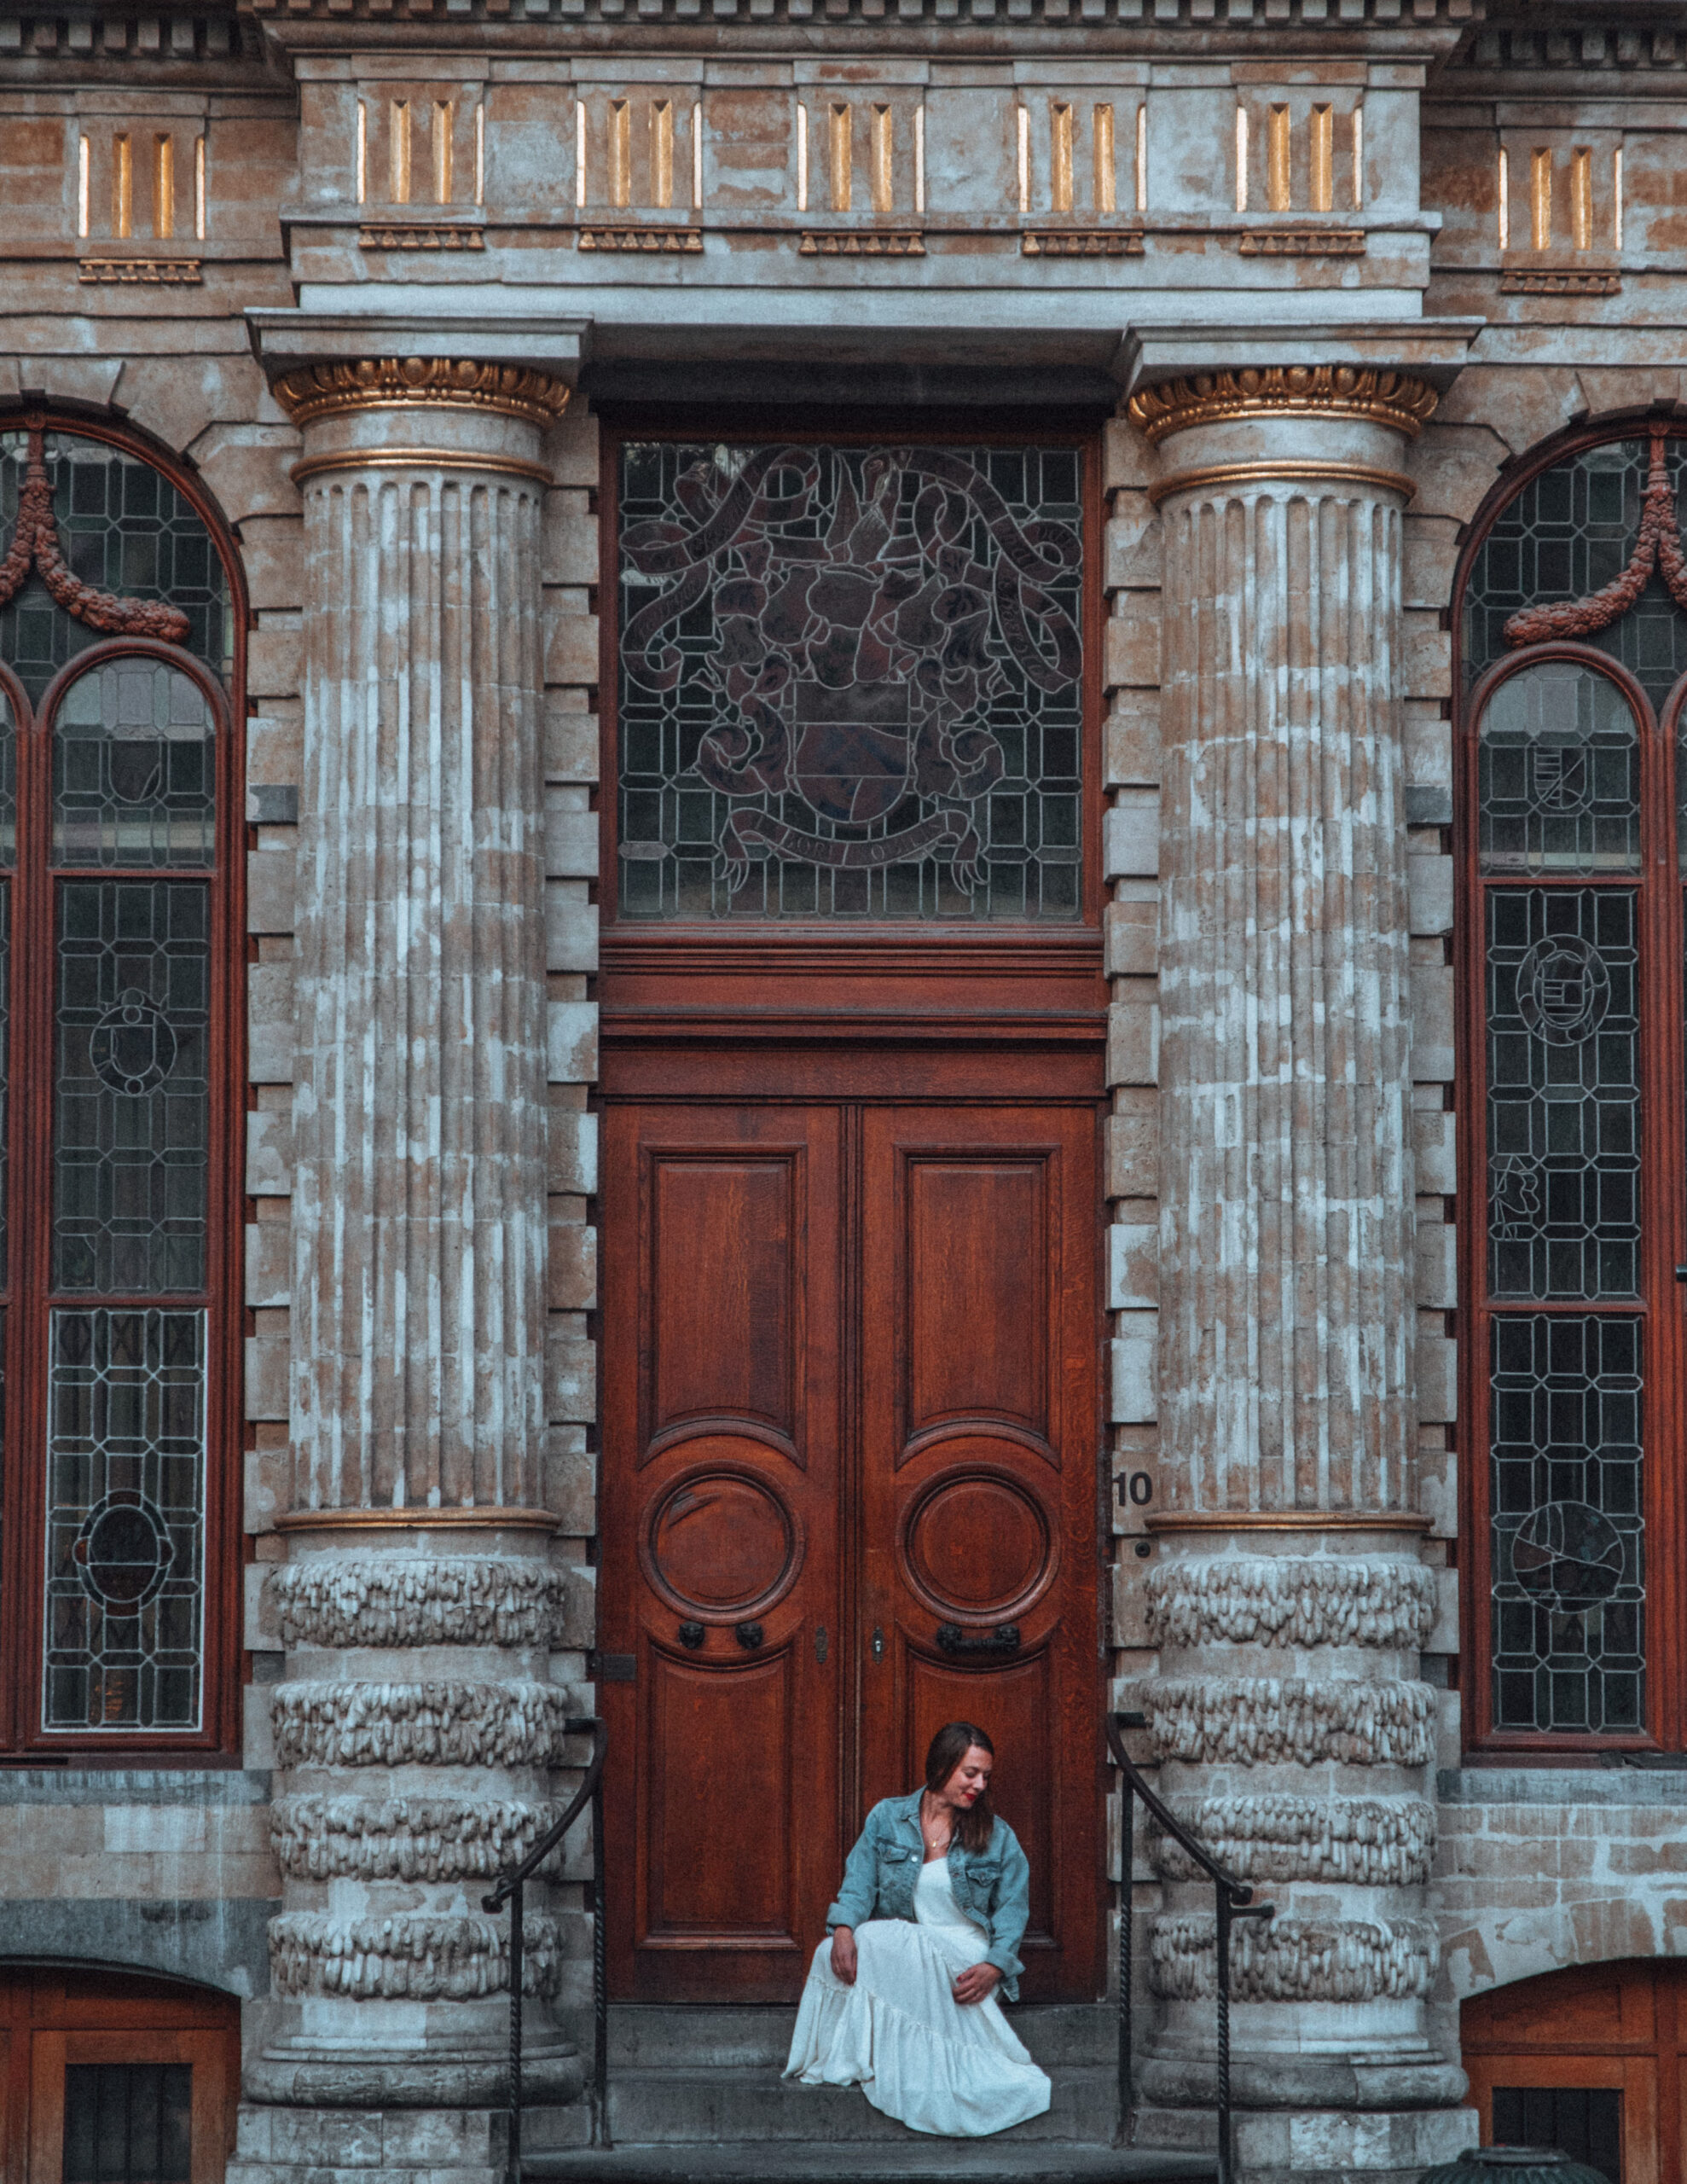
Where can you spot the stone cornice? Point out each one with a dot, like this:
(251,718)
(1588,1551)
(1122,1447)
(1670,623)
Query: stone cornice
(1427,29)
(1335,391)
(317,391)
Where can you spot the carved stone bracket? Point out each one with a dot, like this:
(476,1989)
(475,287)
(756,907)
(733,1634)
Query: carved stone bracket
(409,1601)
(1658,546)
(1265,1720)
(1379,397)
(1291,1600)
(35,544)
(315,390)
(419,1959)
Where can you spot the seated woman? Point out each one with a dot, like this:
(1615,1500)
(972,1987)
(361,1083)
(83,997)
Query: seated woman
(902,2000)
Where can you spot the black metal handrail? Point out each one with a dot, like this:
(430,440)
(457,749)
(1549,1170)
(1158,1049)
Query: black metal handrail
(509,1890)
(1234,1899)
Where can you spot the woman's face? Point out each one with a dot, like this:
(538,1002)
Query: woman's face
(969,1780)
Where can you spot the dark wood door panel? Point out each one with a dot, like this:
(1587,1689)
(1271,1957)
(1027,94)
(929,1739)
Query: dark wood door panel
(979,1336)
(720,1543)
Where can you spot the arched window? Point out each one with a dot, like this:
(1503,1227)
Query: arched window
(120,989)
(1574,667)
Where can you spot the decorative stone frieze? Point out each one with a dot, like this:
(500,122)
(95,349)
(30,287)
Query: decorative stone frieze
(513,1724)
(1324,391)
(1369,1842)
(411,1601)
(1266,1720)
(1296,1960)
(403,1838)
(318,391)
(1290,1600)
(421,1959)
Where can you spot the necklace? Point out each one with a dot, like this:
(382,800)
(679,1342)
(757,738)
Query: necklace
(928,1829)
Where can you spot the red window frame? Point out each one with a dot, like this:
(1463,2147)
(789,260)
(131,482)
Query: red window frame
(1657,882)
(26,1296)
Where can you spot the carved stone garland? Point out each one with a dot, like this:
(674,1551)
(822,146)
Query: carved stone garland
(1658,546)
(35,544)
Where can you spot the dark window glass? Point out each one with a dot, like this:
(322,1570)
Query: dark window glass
(134,768)
(128,2122)
(1585,2122)
(1567,535)
(1560,774)
(850,682)
(126,1548)
(1568,1576)
(122,528)
(1563,1093)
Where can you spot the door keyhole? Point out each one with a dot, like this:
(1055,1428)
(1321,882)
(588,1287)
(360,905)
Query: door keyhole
(877,1648)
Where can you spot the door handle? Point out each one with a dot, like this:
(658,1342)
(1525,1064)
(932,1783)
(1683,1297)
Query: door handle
(691,1635)
(748,1634)
(953,1640)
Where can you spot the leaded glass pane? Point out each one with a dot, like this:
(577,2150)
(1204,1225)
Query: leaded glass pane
(1563,1121)
(132,1105)
(122,528)
(128,2122)
(8,781)
(1567,535)
(125,1547)
(1568,1573)
(850,682)
(134,768)
(1560,774)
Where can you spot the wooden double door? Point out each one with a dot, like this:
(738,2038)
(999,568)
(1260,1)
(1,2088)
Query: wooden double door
(849,1493)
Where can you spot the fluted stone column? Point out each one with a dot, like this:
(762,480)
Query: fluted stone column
(416,1729)
(1288,1596)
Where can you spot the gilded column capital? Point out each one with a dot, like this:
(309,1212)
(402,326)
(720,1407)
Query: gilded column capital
(310,392)
(1352,393)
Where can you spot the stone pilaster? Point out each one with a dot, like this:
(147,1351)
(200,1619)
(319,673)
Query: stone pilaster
(417,1727)
(1289,1597)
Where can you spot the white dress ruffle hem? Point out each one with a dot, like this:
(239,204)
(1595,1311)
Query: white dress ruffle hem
(936,2064)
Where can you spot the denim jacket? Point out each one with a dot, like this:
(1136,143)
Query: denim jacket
(991,1886)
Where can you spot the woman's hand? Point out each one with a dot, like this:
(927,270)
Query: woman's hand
(843,1955)
(975,1984)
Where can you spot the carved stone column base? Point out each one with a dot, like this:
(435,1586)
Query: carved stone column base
(1318,2146)
(551,2077)
(305,2145)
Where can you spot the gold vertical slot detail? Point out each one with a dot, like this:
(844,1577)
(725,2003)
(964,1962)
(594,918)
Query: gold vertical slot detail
(398,152)
(199,188)
(580,154)
(1581,198)
(1358,157)
(1241,159)
(919,158)
(1276,159)
(620,152)
(697,155)
(82,185)
(801,157)
(884,180)
(480,151)
(163,186)
(1540,199)
(1505,201)
(838,119)
(122,187)
(1616,199)
(1024,123)
(1142,157)
(662,152)
(1106,176)
(360,154)
(1321,148)
(441,151)
(1060,155)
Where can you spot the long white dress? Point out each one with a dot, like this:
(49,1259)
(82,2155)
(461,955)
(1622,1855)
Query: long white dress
(935,2063)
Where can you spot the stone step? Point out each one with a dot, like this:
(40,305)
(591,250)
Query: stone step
(644,2035)
(695,2107)
(1004,2160)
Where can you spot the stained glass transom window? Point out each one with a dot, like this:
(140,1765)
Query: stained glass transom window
(134,757)
(1559,759)
(125,1547)
(850,682)
(122,528)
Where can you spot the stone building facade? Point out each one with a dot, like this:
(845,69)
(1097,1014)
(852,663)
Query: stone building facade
(343,347)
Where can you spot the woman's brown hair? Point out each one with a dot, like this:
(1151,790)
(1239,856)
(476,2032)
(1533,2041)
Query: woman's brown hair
(975,1826)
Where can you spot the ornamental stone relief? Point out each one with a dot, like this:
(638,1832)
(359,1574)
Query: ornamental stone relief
(1265,1720)
(1368,1842)
(403,1838)
(513,1724)
(424,1959)
(411,1601)
(1296,1960)
(1298,1601)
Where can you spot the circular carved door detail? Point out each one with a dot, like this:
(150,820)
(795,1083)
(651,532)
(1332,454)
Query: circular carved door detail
(977,1545)
(718,1542)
